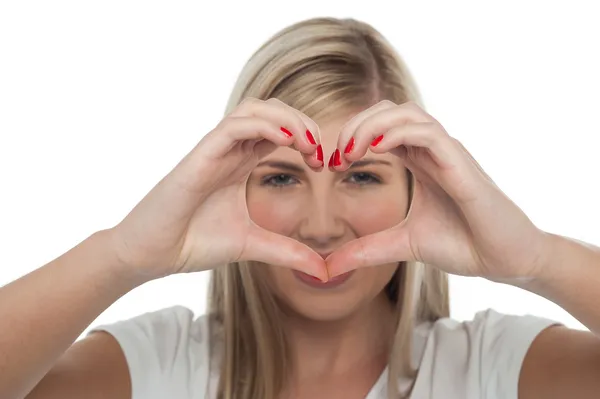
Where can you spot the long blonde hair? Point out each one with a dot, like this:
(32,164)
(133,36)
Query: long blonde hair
(320,67)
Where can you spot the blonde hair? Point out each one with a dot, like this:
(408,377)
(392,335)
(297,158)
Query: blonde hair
(319,66)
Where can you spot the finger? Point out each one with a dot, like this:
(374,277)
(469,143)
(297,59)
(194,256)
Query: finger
(380,248)
(232,130)
(345,142)
(264,148)
(371,132)
(317,159)
(289,121)
(418,171)
(313,135)
(274,249)
(428,139)
(435,158)
(473,160)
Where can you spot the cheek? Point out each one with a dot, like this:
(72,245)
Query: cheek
(377,214)
(274,214)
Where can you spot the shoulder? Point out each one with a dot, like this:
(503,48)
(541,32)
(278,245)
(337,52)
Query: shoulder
(481,357)
(168,352)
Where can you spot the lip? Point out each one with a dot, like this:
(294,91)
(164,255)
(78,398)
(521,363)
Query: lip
(316,283)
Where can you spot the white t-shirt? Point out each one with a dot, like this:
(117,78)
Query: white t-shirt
(167,352)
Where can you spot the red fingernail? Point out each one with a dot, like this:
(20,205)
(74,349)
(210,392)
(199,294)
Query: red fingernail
(320,153)
(337,159)
(350,146)
(310,137)
(331,160)
(377,140)
(287,132)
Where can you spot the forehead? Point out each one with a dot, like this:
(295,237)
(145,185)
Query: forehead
(330,129)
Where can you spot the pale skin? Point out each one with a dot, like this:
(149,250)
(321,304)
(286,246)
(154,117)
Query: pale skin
(326,211)
(198,217)
(336,335)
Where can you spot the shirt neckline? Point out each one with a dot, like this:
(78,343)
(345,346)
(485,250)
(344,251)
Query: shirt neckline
(378,387)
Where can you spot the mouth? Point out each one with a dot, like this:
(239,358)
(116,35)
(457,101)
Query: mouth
(314,282)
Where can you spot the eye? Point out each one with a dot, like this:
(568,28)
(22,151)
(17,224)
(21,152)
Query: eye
(279,180)
(363,178)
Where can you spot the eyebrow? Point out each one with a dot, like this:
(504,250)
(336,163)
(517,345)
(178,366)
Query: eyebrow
(299,169)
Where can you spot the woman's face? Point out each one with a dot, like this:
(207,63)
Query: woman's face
(324,210)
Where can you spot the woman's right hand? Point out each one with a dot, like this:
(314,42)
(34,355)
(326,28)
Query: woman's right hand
(196,217)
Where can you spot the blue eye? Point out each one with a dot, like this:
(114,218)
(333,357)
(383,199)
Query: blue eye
(362,178)
(279,180)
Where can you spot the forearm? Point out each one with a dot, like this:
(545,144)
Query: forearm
(571,279)
(43,312)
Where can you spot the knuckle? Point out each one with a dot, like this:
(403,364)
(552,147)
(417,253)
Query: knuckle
(275,100)
(287,110)
(414,107)
(297,119)
(411,104)
(227,123)
(249,102)
(237,123)
(314,128)
(434,130)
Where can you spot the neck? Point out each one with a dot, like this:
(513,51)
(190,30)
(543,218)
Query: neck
(337,347)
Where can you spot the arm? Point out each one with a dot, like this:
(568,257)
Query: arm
(570,278)
(92,368)
(44,312)
(562,362)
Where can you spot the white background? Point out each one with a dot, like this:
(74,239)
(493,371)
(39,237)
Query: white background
(99,100)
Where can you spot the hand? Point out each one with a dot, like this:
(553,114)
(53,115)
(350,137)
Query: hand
(196,217)
(459,220)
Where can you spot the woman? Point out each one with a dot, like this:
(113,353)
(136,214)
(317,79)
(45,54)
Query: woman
(328,281)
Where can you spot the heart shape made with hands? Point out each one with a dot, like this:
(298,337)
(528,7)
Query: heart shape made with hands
(458,221)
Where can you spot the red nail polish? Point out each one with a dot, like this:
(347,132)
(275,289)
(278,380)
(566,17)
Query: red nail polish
(377,140)
(331,160)
(350,146)
(310,137)
(287,132)
(337,159)
(320,153)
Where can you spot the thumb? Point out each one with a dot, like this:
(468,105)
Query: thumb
(275,249)
(387,246)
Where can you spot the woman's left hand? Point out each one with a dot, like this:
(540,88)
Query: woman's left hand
(459,220)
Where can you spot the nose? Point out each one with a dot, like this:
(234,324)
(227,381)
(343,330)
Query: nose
(323,225)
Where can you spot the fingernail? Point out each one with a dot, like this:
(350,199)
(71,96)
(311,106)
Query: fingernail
(337,159)
(350,146)
(331,160)
(377,140)
(310,137)
(287,132)
(320,153)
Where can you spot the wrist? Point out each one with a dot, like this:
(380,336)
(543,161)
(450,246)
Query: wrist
(546,272)
(564,261)
(117,266)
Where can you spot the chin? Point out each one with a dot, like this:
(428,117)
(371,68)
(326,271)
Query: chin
(337,300)
(318,310)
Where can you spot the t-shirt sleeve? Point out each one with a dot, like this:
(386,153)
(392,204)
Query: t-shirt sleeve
(499,343)
(479,358)
(166,352)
